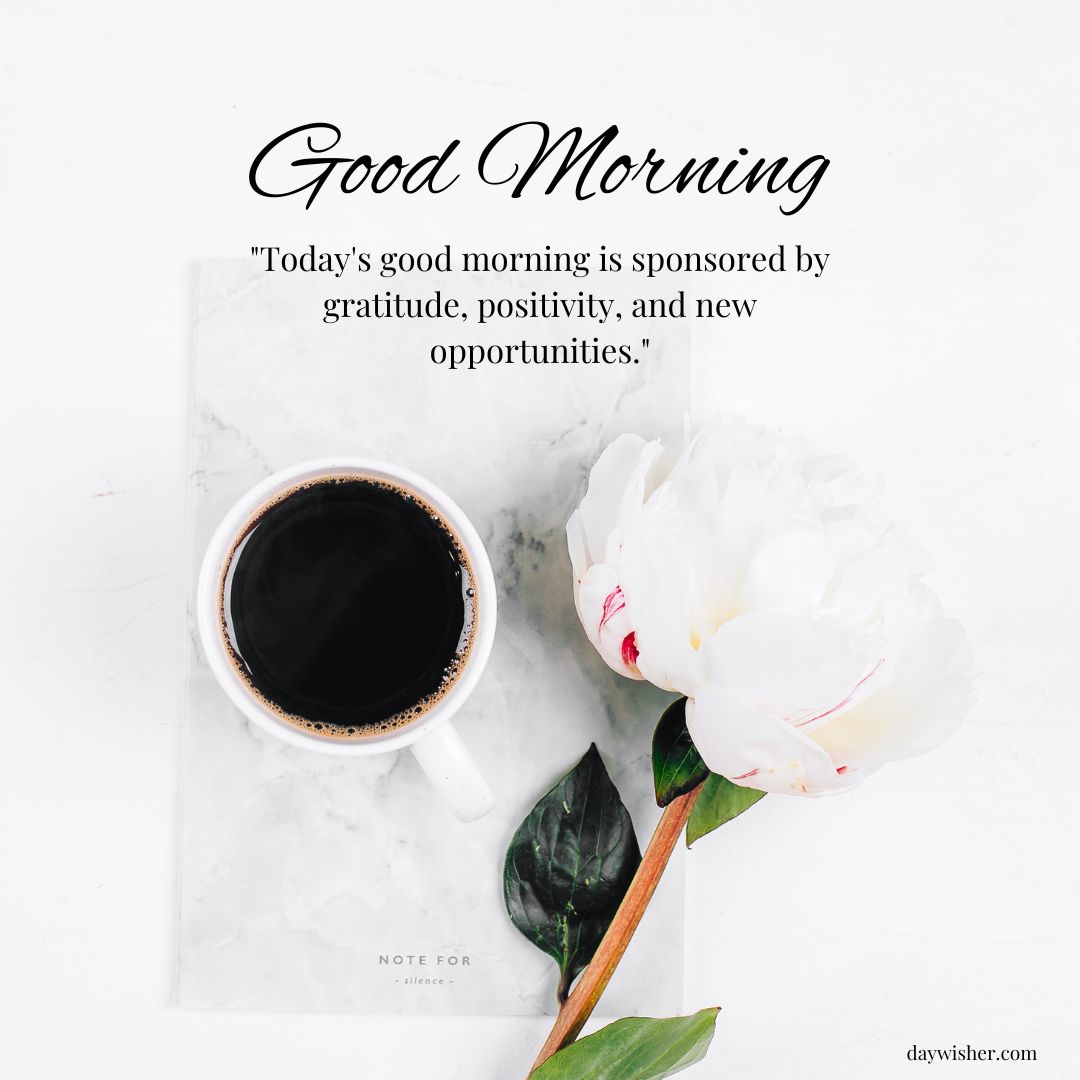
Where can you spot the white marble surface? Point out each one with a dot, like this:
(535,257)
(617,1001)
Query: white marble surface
(938,903)
(300,871)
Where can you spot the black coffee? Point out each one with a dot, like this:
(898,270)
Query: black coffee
(349,606)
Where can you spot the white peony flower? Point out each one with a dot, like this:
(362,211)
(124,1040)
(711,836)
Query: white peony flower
(754,579)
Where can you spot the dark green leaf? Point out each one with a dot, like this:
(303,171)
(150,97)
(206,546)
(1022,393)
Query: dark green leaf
(720,800)
(676,764)
(569,866)
(637,1048)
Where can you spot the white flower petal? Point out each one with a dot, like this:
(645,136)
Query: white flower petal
(616,484)
(755,749)
(859,591)
(577,545)
(923,702)
(602,608)
(792,666)
(789,572)
(660,589)
(837,484)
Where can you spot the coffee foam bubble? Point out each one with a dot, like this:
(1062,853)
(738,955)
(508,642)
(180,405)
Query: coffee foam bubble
(452,672)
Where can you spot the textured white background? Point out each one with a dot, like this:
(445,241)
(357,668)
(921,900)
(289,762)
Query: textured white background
(935,905)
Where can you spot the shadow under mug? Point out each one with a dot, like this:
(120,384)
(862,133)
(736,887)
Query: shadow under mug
(442,755)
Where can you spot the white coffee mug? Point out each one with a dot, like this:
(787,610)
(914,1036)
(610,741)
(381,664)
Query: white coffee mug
(442,755)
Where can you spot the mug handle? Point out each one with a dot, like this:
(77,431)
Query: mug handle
(449,765)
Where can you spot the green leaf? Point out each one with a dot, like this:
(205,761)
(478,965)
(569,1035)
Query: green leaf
(720,801)
(569,866)
(637,1048)
(677,766)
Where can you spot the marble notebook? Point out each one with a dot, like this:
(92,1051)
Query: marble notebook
(319,883)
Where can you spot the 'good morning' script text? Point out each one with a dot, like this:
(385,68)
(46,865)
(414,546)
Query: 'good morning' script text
(522,157)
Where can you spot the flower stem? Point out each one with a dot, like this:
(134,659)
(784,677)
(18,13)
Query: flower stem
(577,1008)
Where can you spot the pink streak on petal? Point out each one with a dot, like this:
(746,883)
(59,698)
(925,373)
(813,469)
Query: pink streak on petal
(743,776)
(630,649)
(841,769)
(614,603)
(841,704)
